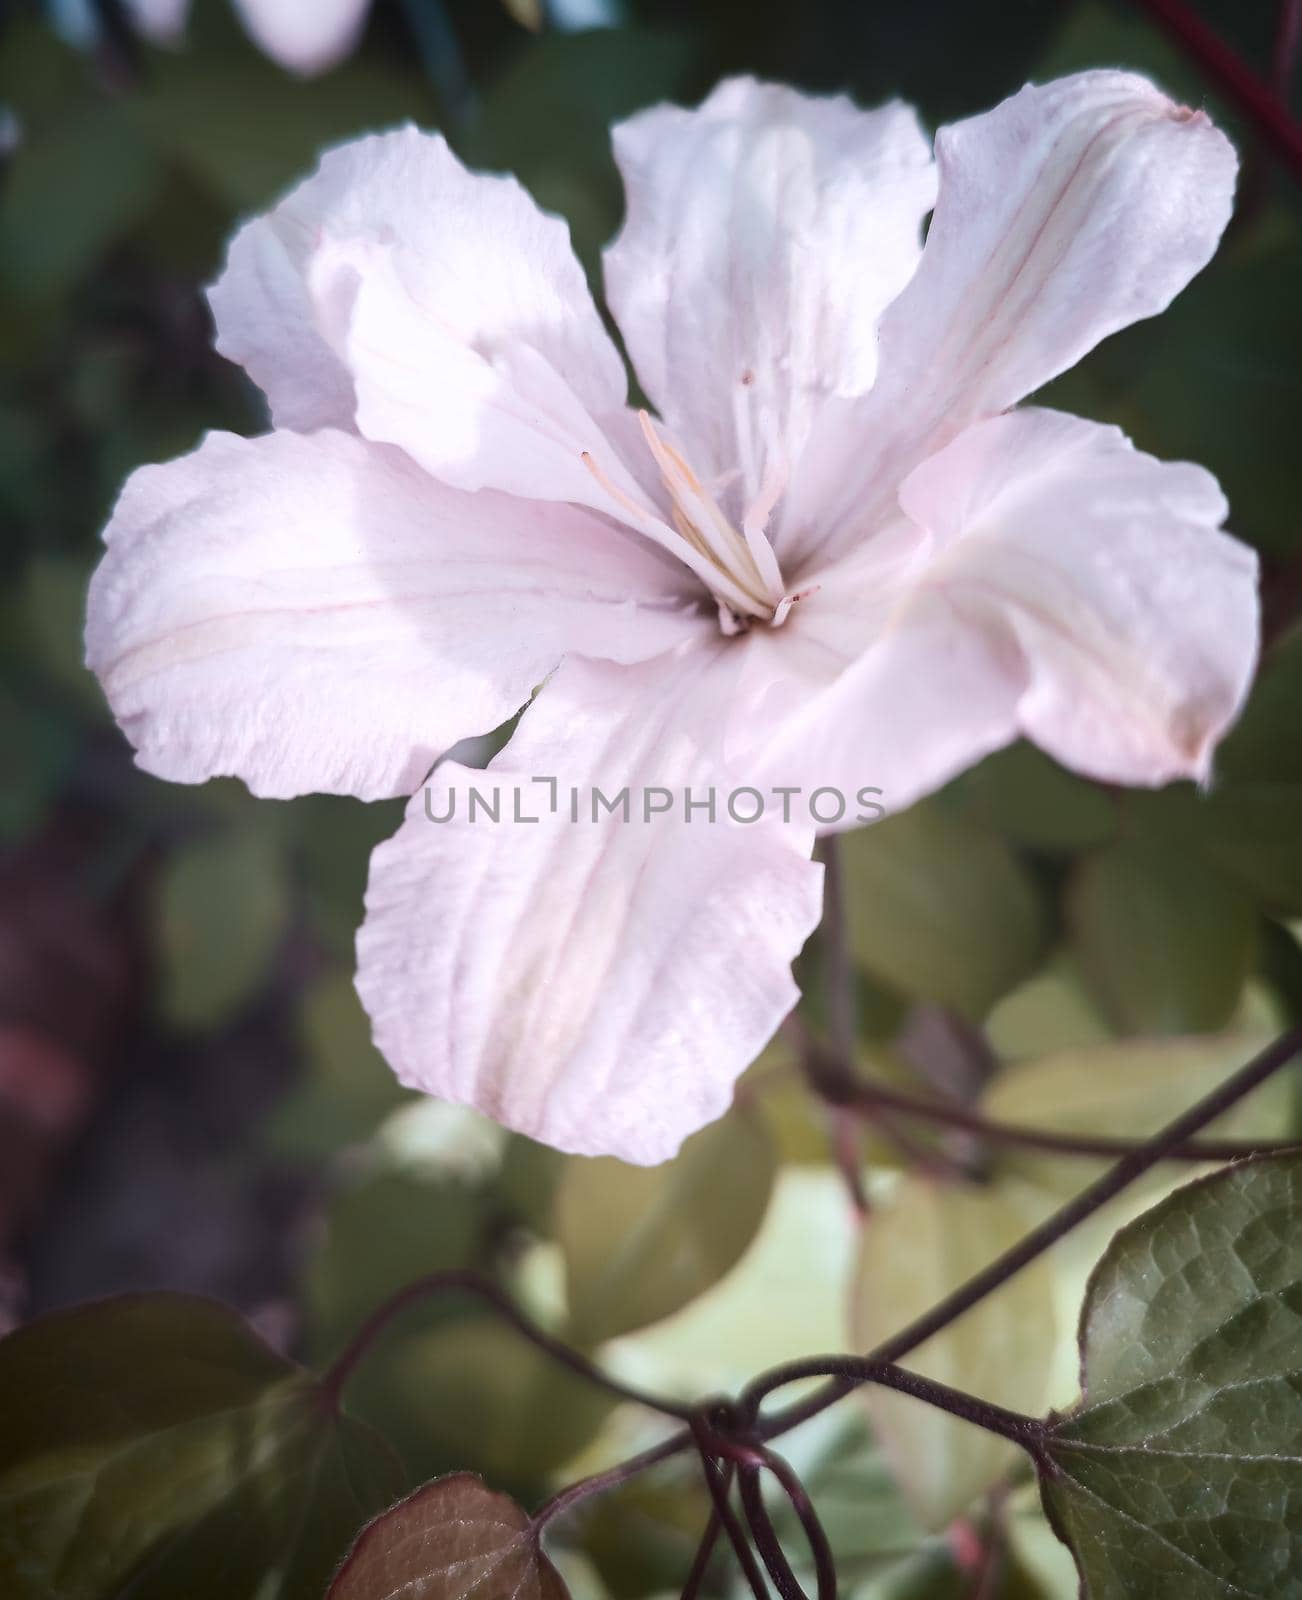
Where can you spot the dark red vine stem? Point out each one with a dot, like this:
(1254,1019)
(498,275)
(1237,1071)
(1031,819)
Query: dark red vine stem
(465,1281)
(1253,95)
(843,1088)
(1106,1187)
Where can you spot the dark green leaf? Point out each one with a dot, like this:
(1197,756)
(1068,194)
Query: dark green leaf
(347,1086)
(1164,941)
(1023,794)
(222,910)
(382,1233)
(1181,1476)
(641,1242)
(154,1445)
(940,908)
(487,1398)
(74,190)
(452,1539)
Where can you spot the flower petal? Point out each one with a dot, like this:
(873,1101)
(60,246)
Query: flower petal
(1137,618)
(314,613)
(596,985)
(766,232)
(1067,212)
(482,277)
(928,698)
(306,36)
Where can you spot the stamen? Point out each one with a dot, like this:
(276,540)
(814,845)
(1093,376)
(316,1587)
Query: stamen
(617,495)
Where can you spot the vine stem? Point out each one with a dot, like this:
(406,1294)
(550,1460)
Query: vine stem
(468,1282)
(1256,98)
(573,1494)
(842,1087)
(1106,1187)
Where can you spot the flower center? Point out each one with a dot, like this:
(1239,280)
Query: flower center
(743,571)
(737,566)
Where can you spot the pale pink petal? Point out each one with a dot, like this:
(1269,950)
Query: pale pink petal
(934,692)
(314,613)
(307,36)
(1064,214)
(1065,587)
(1137,618)
(598,986)
(480,274)
(766,232)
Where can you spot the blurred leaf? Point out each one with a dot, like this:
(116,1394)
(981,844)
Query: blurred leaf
(867,1521)
(381,1234)
(222,910)
(451,1539)
(641,1242)
(546,118)
(250,145)
(940,908)
(1178,1477)
(52,606)
(783,1300)
(333,837)
(1265,745)
(1026,796)
(1049,1012)
(1037,1549)
(154,1445)
(1164,942)
(37,749)
(1253,833)
(75,188)
(347,1088)
(1226,376)
(492,1400)
(1134,1088)
(924,1240)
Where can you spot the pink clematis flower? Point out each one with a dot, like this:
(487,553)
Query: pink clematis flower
(305,36)
(834,557)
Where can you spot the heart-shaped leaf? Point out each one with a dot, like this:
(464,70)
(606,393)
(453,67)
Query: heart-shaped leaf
(454,1538)
(1180,1476)
(153,1445)
(642,1242)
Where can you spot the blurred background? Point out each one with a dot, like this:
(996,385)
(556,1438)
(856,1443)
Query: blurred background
(188,1095)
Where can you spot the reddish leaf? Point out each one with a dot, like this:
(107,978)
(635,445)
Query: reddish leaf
(451,1539)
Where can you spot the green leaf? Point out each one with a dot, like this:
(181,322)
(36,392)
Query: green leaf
(940,908)
(154,1445)
(1029,798)
(222,910)
(347,1088)
(1265,745)
(923,1240)
(641,1242)
(487,1398)
(1180,1476)
(247,147)
(1049,1012)
(784,1299)
(452,1539)
(1165,941)
(37,750)
(546,118)
(380,1234)
(1130,1087)
(74,189)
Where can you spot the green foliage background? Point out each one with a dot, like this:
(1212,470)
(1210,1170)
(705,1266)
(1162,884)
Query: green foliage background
(1118,952)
